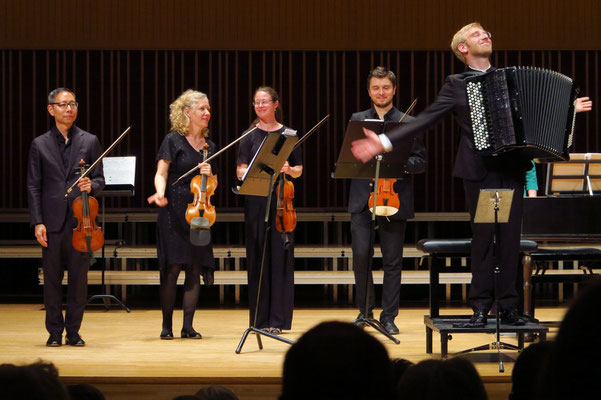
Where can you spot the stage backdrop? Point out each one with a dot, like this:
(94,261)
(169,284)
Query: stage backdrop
(118,88)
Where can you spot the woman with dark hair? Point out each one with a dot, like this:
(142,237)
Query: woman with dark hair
(181,150)
(277,287)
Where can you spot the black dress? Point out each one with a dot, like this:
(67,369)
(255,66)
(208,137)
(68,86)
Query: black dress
(173,232)
(277,291)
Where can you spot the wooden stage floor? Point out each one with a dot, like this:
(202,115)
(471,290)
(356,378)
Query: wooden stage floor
(125,358)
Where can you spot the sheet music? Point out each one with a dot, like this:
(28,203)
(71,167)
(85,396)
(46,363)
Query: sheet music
(119,170)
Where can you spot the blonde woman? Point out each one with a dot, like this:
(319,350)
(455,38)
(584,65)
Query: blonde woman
(180,151)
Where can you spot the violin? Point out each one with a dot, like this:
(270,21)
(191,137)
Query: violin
(387,199)
(285,220)
(87,237)
(203,188)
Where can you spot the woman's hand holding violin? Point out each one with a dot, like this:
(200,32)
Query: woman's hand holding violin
(205,169)
(285,168)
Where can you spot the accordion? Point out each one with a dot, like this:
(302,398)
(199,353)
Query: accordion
(522,108)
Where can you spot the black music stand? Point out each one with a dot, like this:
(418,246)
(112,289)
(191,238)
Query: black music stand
(258,181)
(494,206)
(388,166)
(119,177)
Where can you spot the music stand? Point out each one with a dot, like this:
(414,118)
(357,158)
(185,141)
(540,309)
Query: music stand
(119,178)
(258,181)
(388,166)
(494,206)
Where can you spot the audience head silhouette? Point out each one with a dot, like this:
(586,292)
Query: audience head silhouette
(84,391)
(526,370)
(337,360)
(573,368)
(451,379)
(216,392)
(35,381)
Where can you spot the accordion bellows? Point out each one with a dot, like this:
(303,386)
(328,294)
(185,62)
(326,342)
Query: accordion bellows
(524,109)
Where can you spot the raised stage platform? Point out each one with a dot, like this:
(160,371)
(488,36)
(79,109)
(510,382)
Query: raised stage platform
(125,358)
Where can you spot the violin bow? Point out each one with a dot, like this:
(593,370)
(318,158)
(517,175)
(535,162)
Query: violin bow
(411,107)
(306,135)
(214,155)
(95,163)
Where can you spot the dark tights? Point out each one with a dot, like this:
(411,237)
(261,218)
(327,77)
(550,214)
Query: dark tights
(169,291)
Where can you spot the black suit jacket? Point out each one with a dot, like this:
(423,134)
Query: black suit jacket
(469,164)
(361,188)
(48,180)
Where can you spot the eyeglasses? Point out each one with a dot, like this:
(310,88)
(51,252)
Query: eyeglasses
(261,103)
(63,106)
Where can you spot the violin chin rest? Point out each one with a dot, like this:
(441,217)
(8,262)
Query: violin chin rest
(200,223)
(200,232)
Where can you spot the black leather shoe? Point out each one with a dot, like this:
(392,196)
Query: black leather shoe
(55,340)
(390,326)
(512,317)
(208,276)
(191,334)
(166,334)
(478,320)
(73,339)
(275,331)
(358,321)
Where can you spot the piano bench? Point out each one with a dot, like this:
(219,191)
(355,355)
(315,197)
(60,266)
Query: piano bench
(437,250)
(536,269)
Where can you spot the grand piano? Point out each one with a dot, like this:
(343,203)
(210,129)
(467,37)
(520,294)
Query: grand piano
(566,223)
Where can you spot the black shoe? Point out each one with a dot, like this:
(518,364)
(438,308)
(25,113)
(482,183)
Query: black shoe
(208,276)
(390,326)
(55,340)
(478,320)
(512,317)
(73,339)
(190,334)
(166,334)
(275,331)
(358,321)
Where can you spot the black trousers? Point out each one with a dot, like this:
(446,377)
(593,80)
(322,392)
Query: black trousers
(276,299)
(392,237)
(482,291)
(58,255)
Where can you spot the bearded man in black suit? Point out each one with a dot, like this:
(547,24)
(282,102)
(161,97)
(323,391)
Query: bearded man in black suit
(473,46)
(54,158)
(381,87)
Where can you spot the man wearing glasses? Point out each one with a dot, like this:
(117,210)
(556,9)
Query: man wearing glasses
(473,46)
(53,163)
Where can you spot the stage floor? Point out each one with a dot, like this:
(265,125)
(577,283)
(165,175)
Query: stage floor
(126,359)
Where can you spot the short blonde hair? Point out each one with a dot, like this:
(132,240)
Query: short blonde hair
(460,37)
(179,120)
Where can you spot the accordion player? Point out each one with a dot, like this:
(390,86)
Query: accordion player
(525,109)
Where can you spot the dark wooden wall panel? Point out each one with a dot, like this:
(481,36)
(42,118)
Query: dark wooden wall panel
(117,88)
(290,25)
